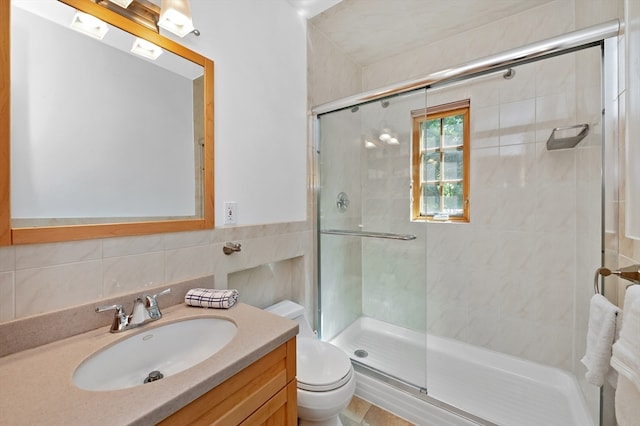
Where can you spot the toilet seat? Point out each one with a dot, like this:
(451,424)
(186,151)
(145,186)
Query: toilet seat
(321,367)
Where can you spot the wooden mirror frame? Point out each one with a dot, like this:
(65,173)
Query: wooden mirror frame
(45,234)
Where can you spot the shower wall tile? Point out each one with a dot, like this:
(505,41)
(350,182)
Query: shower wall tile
(554,166)
(486,93)
(548,20)
(555,110)
(483,328)
(485,126)
(517,122)
(393,291)
(555,75)
(331,74)
(520,87)
(514,337)
(590,12)
(517,166)
(550,296)
(554,210)
(448,319)
(549,346)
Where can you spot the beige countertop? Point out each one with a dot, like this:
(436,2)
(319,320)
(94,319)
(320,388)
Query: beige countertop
(36,386)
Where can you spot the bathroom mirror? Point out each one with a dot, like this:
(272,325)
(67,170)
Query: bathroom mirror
(100,142)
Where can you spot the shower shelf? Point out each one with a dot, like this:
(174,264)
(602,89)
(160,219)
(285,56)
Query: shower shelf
(404,237)
(558,141)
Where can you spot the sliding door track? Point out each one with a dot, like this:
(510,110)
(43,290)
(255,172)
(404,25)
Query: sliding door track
(417,392)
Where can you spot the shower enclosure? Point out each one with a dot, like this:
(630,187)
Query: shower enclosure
(484,318)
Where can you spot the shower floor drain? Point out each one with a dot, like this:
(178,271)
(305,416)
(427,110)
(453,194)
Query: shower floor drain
(361,353)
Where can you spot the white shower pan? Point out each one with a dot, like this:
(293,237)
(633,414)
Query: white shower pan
(498,388)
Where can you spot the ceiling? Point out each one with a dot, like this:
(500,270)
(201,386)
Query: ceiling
(371,30)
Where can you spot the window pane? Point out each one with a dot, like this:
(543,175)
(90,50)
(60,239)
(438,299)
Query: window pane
(452,195)
(430,199)
(453,130)
(452,167)
(431,166)
(430,134)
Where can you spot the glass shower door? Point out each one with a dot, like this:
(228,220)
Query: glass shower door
(372,269)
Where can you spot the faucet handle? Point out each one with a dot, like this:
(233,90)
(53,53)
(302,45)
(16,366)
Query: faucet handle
(117,308)
(120,318)
(152,304)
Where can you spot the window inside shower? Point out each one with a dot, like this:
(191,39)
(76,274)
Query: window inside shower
(440,162)
(443,312)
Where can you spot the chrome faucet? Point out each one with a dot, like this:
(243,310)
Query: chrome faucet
(145,309)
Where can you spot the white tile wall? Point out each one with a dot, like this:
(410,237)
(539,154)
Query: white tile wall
(42,278)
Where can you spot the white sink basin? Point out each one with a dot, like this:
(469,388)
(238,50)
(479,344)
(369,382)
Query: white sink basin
(169,349)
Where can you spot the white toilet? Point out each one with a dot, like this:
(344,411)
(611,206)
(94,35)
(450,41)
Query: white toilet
(326,381)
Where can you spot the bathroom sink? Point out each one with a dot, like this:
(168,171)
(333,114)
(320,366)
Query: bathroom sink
(154,353)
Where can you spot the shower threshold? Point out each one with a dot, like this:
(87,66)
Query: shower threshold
(418,392)
(482,386)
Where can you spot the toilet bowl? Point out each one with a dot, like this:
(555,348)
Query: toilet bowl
(326,381)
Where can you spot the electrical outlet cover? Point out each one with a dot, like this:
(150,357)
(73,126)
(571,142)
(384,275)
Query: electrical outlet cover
(230,213)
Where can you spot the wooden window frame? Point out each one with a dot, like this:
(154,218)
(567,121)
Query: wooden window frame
(463,108)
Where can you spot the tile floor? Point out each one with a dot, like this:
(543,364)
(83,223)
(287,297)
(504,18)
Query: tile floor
(362,413)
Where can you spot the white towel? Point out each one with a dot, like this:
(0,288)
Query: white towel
(626,351)
(211,298)
(600,337)
(626,403)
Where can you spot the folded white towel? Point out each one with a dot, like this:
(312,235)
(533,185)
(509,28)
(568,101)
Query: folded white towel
(600,335)
(626,351)
(211,298)
(626,403)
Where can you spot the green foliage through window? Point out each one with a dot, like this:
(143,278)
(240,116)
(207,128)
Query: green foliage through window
(440,162)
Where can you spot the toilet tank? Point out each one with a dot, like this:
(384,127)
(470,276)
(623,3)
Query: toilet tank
(295,312)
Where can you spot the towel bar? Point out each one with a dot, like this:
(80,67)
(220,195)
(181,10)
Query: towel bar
(630,273)
(386,235)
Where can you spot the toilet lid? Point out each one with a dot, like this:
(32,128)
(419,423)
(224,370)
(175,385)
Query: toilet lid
(321,366)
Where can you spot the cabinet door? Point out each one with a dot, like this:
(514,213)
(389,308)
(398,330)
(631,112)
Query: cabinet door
(263,393)
(279,410)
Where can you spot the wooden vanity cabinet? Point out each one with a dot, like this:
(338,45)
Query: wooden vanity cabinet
(264,393)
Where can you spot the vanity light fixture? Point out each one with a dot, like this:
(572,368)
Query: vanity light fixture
(175,16)
(146,49)
(89,25)
(122,3)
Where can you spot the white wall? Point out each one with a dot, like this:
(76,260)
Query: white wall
(259,49)
(260,102)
